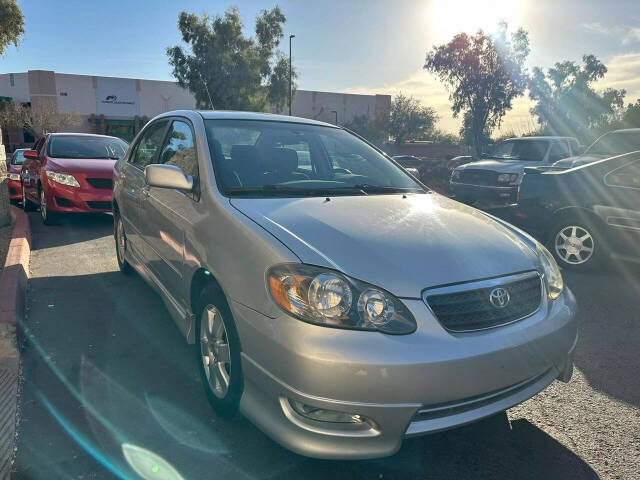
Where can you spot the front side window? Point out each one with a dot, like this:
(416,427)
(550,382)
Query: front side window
(627,176)
(615,143)
(179,149)
(559,150)
(149,144)
(263,158)
(86,147)
(18,158)
(526,150)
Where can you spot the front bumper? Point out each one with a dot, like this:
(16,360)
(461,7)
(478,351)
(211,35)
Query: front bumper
(408,385)
(85,199)
(15,190)
(484,193)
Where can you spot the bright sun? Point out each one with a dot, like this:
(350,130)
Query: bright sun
(449,17)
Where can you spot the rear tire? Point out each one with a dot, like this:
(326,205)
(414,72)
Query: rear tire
(121,244)
(27,206)
(218,352)
(576,245)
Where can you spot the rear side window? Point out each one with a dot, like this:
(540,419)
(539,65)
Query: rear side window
(179,149)
(18,158)
(559,150)
(149,144)
(627,176)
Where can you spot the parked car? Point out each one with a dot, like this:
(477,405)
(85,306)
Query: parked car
(411,164)
(336,303)
(494,180)
(608,145)
(14,168)
(70,173)
(584,214)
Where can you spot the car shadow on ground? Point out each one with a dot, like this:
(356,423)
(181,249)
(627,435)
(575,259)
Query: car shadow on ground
(111,387)
(609,314)
(80,227)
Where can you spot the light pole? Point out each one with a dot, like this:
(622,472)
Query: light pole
(290,90)
(336,114)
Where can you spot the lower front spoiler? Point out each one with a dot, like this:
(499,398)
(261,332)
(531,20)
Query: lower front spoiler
(265,401)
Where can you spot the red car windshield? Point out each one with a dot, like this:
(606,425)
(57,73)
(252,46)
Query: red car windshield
(83,146)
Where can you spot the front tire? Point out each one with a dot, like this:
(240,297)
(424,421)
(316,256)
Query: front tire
(27,206)
(121,244)
(218,350)
(576,245)
(48,217)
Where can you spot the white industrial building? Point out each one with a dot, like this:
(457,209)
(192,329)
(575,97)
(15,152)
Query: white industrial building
(121,106)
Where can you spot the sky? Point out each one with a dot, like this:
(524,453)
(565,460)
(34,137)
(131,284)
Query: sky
(356,46)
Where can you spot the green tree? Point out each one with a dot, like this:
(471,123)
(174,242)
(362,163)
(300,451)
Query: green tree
(483,74)
(237,72)
(631,116)
(11,24)
(568,104)
(410,120)
(367,128)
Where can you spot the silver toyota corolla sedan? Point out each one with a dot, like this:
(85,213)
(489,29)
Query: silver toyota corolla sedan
(334,301)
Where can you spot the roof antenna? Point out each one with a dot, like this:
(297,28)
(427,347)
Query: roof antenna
(207,89)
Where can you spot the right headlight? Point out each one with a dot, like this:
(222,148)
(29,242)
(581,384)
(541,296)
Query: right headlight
(63,179)
(552,275)
(329,298)
(455,175)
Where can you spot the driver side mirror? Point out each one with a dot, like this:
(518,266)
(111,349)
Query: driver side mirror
(31,154)
(167,176)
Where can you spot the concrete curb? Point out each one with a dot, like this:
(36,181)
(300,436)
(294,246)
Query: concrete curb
(13,287)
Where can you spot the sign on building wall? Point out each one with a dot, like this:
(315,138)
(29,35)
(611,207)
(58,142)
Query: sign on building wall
(117,97)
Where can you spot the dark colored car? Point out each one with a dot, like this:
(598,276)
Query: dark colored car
(14,168)
(584,214)
(69,173)
(410,163)
(608,145)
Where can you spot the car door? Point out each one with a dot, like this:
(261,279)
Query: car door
(167,214)
(621,209)
(144,152)
(31,172)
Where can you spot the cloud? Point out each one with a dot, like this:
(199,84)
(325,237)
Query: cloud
(623,72)
(597,27)
(632,36)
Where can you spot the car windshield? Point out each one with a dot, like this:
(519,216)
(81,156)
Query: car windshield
(527,150)
(266,158)
(86,146)
(615,143)
(18,158)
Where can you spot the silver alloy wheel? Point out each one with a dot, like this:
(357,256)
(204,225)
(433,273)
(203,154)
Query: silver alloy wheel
(121,244)
(214,351)
(43,205)
(574,244)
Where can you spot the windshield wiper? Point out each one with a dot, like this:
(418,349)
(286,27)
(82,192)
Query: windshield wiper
(284,190)
(367,188)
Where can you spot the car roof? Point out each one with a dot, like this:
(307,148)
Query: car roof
(236,115)
(633,130)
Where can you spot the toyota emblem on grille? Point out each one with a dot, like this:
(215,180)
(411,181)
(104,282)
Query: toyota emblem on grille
(499,297)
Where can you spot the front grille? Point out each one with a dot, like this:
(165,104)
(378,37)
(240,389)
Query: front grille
(479,177)
(470,309)
(106,183)
(99,205)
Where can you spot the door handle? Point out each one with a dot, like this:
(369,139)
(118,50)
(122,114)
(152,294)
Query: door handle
(146,192)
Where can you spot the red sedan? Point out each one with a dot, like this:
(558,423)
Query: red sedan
(13,171)
(69,173)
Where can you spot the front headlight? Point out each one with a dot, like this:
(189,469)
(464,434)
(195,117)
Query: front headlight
(455,175)
(14,176)
(328,298)
(63,178)
(552,275)
(507,177)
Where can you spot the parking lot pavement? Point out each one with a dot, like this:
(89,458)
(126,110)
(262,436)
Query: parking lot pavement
(108,376)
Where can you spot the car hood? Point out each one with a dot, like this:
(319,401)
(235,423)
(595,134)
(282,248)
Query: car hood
(14,168)
(400,244)
(500,166)
(578,160)
(89,166)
